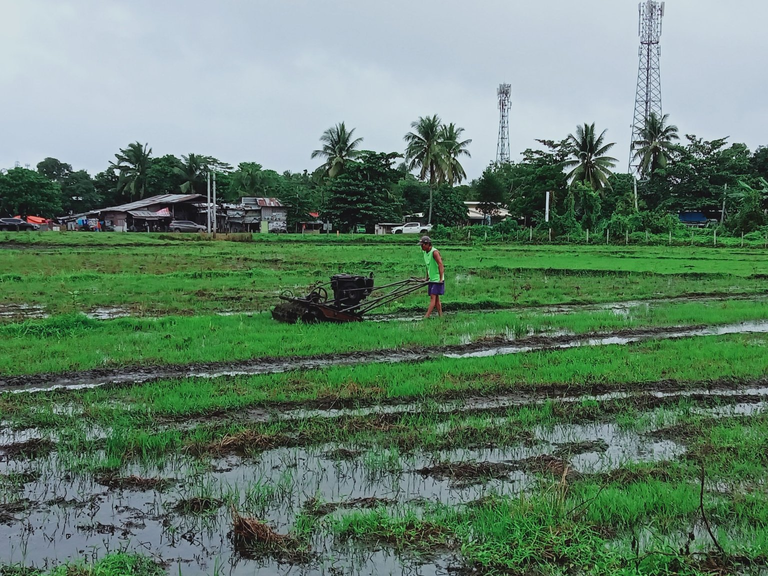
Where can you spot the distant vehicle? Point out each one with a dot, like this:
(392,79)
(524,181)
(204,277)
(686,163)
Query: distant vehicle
(412,228)
(185,226)
(17,224)
(278,227)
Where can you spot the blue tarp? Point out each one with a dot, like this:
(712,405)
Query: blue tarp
(692,218)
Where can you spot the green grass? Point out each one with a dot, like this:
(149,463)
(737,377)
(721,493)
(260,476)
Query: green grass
(115,564)
(576,369)
(74,342)
(152,275)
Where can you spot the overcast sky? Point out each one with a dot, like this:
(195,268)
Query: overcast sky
(258,80)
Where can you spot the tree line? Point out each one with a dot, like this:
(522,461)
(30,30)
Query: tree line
(354,187)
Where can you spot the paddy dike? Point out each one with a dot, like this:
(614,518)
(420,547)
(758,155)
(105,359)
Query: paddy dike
(496,346)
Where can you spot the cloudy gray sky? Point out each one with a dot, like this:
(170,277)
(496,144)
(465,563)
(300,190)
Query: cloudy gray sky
(260,80)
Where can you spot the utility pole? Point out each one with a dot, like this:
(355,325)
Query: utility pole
(214,203)
(208,204)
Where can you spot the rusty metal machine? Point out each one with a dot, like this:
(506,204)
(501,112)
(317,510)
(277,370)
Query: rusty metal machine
(353,296)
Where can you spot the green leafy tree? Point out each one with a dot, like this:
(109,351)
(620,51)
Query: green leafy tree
(54,169)
(362,195)
(301,194)
(339,146)
(490,192)
(163,175)
(527,182)
(698,176)
(133,170)
(654,148)
(250,179)
(79,194)
(449,208)
(105,185)
(750,215)
(413,194)
(26,192)
(588,157)
(454,148)
(759,162)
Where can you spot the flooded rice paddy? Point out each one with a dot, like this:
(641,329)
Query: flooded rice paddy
(181,512)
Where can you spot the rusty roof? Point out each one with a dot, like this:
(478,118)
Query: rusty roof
(146,202)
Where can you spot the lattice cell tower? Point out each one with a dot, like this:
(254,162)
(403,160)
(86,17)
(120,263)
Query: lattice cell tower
(648,95)
(502,147)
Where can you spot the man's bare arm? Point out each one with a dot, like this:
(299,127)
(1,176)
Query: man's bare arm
(440,267)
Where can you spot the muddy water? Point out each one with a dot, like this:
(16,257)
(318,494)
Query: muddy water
(62,515)
(43,382)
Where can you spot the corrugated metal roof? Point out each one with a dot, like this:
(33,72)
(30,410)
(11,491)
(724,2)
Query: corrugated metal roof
(261,201)
(147,214)
(161,199)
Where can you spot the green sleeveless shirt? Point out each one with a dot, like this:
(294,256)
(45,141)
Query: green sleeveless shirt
(432,268)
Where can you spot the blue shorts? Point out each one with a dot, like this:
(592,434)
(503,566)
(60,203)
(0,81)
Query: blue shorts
(436,288)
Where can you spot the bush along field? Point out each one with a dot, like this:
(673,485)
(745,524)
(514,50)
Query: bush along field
(578,410)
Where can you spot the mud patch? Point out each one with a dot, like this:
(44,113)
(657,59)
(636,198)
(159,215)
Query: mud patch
(134,482)
(585,447)
(468,473)
(198,505)
(254,539)
(625,476)
(315,507)
(340,454)
(548,465)
(30,449)
(9,510)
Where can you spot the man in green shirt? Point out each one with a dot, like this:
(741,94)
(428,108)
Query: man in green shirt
(435,275)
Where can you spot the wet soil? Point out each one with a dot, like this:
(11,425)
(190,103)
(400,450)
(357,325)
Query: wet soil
(314,507)
(273,365)
(467,473)
(28,449)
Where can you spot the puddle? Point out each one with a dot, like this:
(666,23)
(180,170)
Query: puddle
(149,510)
(89,379)
(109,313)
(72,514)
(618,340)
(22,311)
(140,510)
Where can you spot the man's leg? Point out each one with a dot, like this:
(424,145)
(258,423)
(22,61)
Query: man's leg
(432,299)
(439,306)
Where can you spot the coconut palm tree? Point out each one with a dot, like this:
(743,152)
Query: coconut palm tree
(588,158)
(654,148)
(338,147)
(454,148)
(133,166)
(193,170)
(426,153)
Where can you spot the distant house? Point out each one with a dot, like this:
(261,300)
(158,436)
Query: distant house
(148,214)
(255,214)
(477,216)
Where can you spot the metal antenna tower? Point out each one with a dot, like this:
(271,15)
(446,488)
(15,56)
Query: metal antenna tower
(648,95)
(502,147)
